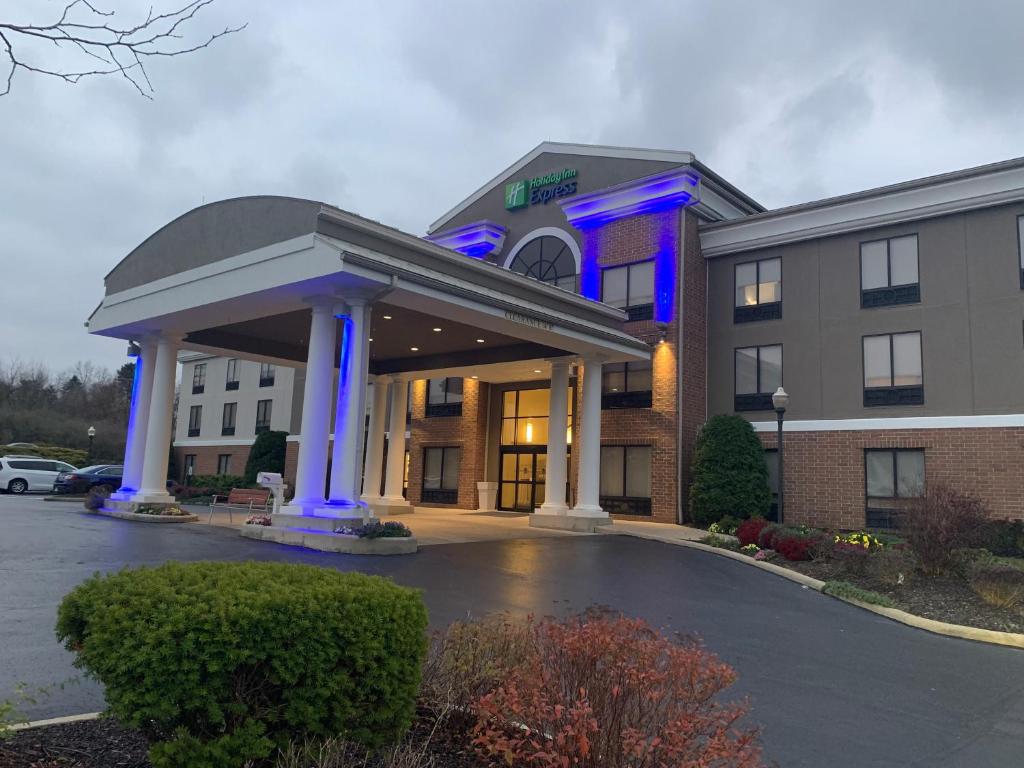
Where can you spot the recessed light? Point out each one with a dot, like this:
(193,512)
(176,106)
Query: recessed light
(479,341)
(474,377)
(437,330)
(414,349)
(387,317)
(536,370)
(370,339)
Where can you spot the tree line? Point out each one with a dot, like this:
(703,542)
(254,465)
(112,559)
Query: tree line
(45,408)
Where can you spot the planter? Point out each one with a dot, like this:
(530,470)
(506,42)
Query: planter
(326,541)
(122,514)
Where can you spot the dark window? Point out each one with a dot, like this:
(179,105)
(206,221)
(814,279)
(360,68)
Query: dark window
(190,466)
(548,259)
(890,477)
(266,375)
(631,288)
(227,424)
(758,291)
(195,418)
(892,369)
(758,374)
(626,479)
(888,272)
(626,385)
(1020,248)
(231,381)
(198,378)
(263,415)
(224,464)
(444,397)
(441,475)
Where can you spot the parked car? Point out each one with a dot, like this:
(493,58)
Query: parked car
(19,474)
(106,476)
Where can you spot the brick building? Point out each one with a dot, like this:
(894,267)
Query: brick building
(894,318)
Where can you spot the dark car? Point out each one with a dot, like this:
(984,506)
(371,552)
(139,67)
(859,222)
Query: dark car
(107,476)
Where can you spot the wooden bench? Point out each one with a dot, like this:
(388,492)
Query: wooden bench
(247,499)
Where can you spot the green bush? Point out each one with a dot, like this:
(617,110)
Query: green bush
(730,476)
(220,663)
(267,455)
(221,484)
(847,591)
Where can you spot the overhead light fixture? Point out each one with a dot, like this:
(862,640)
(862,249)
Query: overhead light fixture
(414,349)
(387,317)
(536,370)
(474,377)
(437,330)
(370,339)
(479,341)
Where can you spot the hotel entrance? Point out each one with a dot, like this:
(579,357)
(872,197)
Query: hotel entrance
(522,469)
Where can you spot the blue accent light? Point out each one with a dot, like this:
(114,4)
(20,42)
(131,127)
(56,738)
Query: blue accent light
(590,272)
(133,414)
(666,266)
(475,240)
(673,189)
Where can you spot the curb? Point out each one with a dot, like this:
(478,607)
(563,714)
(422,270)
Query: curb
(990,636)
(55,721)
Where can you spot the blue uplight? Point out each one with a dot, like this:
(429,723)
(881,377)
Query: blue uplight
(475,240)
(663,191)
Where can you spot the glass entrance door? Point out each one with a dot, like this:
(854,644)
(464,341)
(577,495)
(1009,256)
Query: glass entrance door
(522,475)
(522,471)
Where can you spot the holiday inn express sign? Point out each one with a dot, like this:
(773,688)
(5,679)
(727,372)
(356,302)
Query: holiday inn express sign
(540,189)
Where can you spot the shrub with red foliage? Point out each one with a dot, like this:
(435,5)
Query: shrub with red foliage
(603,692)
(766,538)
(749,530)
(794,547)
(940,522)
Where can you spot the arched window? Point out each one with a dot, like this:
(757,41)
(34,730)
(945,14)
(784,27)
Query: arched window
(548,259)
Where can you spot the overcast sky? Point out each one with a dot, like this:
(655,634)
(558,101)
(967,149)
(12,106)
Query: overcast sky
(399,110)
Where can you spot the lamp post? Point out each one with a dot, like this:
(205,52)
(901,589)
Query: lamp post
(780,400)
(92,436)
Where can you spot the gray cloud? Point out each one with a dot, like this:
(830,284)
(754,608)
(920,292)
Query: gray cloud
(398,110)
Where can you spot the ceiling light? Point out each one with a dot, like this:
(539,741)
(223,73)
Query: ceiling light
(414,349)
(536,370)
(387,317)
(437,330)
(479,341)
(370,339)
(474,377)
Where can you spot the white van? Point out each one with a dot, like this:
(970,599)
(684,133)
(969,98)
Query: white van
(19,474)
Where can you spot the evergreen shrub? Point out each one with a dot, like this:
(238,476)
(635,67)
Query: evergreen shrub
(266,455)
(730,476)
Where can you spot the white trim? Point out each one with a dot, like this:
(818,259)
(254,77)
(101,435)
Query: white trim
(561,234)
(226,442)
(907,422)
(580,150)
(952,193)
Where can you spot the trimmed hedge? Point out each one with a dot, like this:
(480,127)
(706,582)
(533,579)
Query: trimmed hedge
(730,476)
(219,663)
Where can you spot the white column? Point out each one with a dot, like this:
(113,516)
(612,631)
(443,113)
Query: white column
(373,468)
(396,445)
(311,472)
(350,410)
(153,487)
(558,418)
(138,420)
(588,443)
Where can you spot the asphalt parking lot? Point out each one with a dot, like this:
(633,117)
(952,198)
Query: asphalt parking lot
(831,685)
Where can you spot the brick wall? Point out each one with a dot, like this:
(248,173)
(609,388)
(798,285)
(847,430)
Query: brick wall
(824,471)
(206,458)
(468,432)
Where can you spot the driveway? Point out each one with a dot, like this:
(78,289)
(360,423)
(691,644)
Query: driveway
(830,684)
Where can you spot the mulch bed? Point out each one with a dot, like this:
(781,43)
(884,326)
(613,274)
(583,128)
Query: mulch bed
(105,743)
(945,598)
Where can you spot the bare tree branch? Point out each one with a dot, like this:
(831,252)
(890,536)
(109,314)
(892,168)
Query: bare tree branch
(120,48)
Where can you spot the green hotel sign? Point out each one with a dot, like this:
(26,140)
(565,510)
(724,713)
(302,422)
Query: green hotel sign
(540,189)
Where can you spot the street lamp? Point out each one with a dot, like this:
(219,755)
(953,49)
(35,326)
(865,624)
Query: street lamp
(92,436)
(780,400)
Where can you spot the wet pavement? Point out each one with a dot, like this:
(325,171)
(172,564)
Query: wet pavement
(832,685)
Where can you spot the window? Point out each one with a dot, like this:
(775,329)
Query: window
(227,423)
(190,466)
(1020,248)
(266,375)
(626,479)
(889,477)
(892,370)
(758,291)
(224,464)
(888,272)
(441,475)
(548,259)
(444,397)
(758,375)
(630,288)
(263,415)
(524,417)
(626,385)
(198,378)
(232,378)
(195,418)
